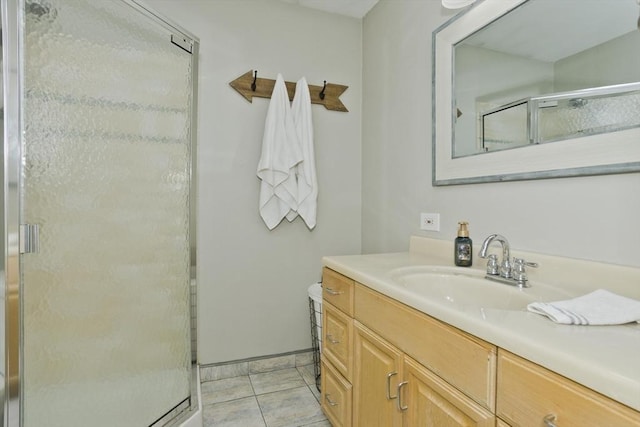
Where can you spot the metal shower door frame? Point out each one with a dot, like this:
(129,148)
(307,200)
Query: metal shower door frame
(12,15)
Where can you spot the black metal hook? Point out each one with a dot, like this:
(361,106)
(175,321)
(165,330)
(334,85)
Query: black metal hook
(255,77)
(322,91)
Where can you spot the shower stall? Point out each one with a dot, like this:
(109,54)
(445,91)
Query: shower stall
(98,227)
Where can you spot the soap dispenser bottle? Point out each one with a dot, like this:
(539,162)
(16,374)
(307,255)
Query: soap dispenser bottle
(463,249)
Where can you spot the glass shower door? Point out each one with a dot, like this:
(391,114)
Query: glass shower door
(105,211)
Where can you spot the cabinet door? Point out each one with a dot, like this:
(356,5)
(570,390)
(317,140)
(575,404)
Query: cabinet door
(377,372)
(430,401)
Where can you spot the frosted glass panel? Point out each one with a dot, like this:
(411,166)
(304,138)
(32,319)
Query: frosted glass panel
(106,176)
(589,116)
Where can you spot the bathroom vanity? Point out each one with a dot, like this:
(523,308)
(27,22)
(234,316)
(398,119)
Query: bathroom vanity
(398,347)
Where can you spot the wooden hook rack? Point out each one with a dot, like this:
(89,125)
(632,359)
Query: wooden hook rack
(249,85)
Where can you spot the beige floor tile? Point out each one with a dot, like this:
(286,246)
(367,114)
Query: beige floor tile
(305,358)
(212,373)
(272,364)
(236,413)
(308,374)
(282,398)
(290,408)
(226,389)
(276,381)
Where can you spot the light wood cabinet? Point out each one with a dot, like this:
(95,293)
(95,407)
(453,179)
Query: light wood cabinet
(364,362)
(390,389)
(386,364)
(337,348)
(527,393)
(466,362)
(377,372)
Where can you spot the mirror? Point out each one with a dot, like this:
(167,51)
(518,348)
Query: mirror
(528,89)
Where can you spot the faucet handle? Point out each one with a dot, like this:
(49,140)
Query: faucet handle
(492,265)
(520,272)
(521,263)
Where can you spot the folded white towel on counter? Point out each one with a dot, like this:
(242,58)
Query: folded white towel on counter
(600,307)
(305,171)
(280,155)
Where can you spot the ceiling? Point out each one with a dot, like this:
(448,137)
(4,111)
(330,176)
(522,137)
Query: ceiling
(353,8)
(534,29)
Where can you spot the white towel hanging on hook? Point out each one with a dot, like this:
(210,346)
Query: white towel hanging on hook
(280,155)
(305,171)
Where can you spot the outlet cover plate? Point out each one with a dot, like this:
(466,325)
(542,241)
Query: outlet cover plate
(430,221)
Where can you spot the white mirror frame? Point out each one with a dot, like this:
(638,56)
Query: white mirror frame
(617,152)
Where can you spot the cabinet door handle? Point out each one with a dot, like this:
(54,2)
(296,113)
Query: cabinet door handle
(333,292)
(329,401)
(332,340)
(550,420)
(389,375)
(401,407)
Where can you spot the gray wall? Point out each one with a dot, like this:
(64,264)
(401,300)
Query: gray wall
(592,218)
(598,66)
(252,282)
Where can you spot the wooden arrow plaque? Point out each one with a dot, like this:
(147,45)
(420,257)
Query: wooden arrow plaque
(264,88)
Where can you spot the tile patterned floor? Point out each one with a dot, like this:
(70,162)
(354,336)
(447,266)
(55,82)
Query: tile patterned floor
(282,398)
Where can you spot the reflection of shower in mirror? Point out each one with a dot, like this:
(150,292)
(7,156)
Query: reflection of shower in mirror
(577,102)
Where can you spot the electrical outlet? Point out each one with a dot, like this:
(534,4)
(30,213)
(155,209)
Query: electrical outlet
(430,221)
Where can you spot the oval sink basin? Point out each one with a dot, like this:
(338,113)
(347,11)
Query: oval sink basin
(468,288)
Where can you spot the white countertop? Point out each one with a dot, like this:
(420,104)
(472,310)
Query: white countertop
(603,358)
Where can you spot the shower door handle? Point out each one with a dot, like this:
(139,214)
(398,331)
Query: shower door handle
(29,238)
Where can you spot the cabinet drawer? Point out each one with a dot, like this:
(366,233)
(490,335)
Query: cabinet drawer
(337,290)
(528,392)
(336,397)
(466,362)
(337,330)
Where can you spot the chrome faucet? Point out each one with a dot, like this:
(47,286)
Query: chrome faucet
(505,271)
(505,265)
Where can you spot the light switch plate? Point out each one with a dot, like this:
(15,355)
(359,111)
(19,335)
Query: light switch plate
(430,221)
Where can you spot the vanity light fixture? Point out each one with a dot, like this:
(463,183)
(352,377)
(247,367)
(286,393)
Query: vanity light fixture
(457,4)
